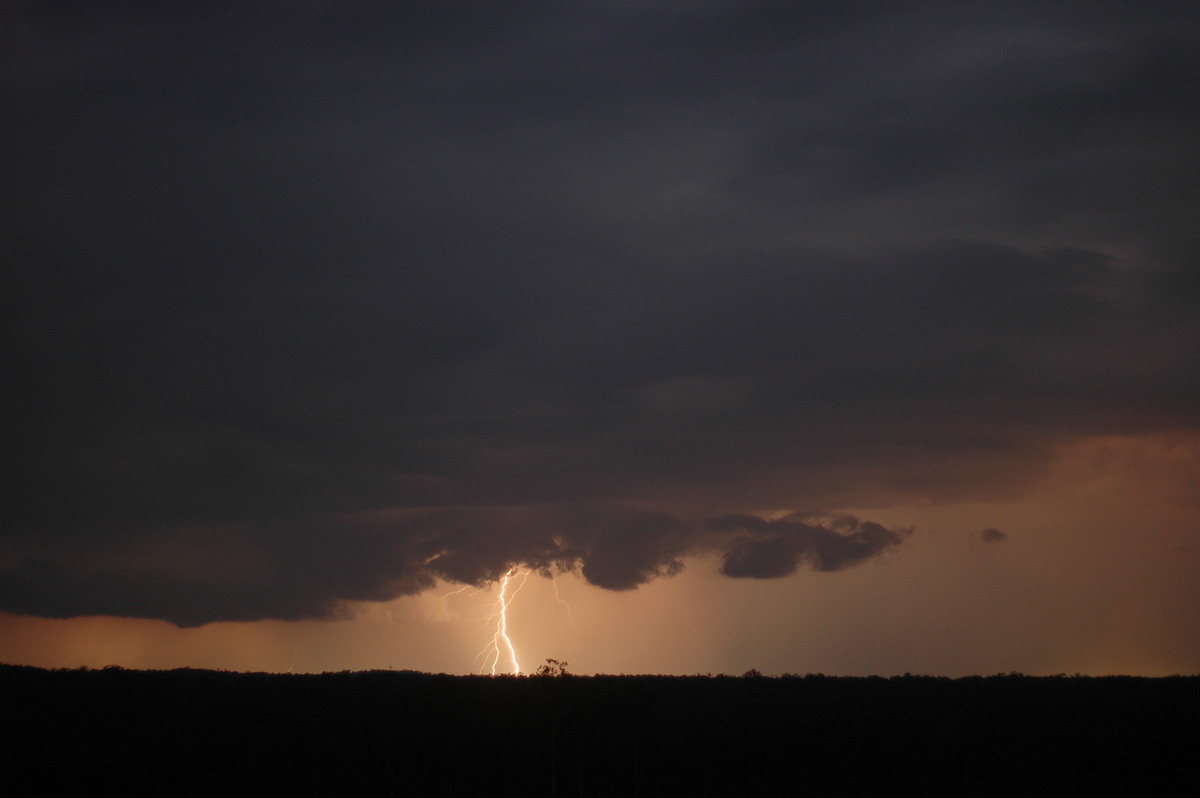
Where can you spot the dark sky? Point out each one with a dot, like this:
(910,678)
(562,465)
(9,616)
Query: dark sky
(315,302)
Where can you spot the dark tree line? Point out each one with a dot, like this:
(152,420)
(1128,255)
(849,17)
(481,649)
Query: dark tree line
(191,732)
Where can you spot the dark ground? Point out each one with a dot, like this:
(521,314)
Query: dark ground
(191,732)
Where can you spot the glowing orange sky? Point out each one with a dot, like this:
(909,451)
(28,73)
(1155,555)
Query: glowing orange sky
(1098,575)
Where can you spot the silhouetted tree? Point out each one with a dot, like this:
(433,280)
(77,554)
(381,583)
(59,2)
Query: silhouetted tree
(552,667)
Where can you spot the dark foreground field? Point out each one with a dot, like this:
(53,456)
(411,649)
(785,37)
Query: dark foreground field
(190,732)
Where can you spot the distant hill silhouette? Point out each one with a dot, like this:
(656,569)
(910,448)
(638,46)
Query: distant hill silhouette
(194,732)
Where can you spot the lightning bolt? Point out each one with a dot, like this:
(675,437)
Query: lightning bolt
(501,642)
(563,602)
(456,592)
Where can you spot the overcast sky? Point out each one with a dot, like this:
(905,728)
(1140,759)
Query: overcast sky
(316,311)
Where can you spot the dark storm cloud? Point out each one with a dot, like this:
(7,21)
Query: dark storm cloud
(270,264)
(765,549)
(309,567)
(992,535)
